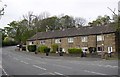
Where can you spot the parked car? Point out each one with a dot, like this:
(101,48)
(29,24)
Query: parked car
(18,45)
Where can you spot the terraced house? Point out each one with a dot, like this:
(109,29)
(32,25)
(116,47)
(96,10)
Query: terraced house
(102,38)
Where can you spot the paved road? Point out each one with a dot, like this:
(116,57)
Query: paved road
(22,63)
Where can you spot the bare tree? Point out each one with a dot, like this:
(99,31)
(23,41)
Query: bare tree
(79,21)
(44,15)
(29,19)
(2,7)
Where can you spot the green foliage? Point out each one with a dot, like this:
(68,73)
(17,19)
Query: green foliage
(42,48)
(54,48)
(100,21)
(31,48)
(47,50)
(75,51)
(8,42)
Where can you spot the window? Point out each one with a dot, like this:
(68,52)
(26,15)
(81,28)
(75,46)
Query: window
(84,49)
(70,40)
(109,49)
(84,39)
(30,43)
(42,42)
(100,38)
(57,40)
(100,48)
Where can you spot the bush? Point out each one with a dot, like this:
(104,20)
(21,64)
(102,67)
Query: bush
(8,43)
(47,50)
(31,48)
(75,51)
(42,48)
(54,48)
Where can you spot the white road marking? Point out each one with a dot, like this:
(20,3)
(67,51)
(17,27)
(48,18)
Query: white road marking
(110,66)
(4,71)
(24,62)
(47,73)
(94,72)
(52,73)
(39,67)
(58,73)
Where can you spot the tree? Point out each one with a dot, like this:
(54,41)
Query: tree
(79,21)
(100,21)
(67,22)
(2,9)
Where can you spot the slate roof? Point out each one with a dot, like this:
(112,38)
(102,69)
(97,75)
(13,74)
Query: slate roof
(82,31)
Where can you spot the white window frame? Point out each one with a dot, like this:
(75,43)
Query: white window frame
(84,39)
(57,40)
(70,40)
(110,49)
(31,43)
(100,38)
(84,49)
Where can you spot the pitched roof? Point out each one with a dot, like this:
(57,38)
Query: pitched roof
(74,32)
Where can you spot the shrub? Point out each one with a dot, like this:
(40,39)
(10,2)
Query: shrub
(31,48)
(54,48)
(47,50)
(75,51)
(42,48)
(8,43)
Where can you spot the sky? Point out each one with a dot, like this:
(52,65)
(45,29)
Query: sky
(88,9)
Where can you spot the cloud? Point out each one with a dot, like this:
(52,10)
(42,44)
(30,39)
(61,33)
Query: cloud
(88,9)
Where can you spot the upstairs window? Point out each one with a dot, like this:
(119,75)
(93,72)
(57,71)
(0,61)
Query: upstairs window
(100,38)
(84,39)
(57,40)
(70,40)
(42,42)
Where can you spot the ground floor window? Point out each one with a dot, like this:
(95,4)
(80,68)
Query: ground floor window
(100,48)
(31,42)
(84,49)
(109,49)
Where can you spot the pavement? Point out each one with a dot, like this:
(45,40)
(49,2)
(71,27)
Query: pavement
(25,63)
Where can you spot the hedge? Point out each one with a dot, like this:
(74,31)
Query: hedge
(8,43)
(42,48)
(75,51)
(31,48)
(47,50)
(54,48)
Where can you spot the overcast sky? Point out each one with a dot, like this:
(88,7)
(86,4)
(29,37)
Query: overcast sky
(88,9)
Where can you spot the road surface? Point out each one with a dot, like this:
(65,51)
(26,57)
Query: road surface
(24,63)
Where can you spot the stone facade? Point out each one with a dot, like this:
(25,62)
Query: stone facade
(102,38)
(109,41)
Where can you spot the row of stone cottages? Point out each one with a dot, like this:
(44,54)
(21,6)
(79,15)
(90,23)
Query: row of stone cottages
(103,38)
